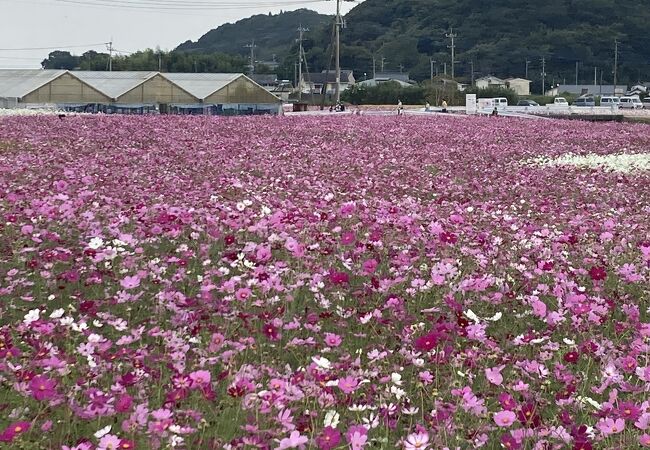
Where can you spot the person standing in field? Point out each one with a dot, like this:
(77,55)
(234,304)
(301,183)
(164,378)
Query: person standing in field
(400,108)
(444,105)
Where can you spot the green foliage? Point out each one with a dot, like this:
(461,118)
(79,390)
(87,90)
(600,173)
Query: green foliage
(273,34)
(175,61)
(384,94)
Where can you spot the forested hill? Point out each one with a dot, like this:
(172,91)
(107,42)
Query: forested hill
(273,34)
(500,35)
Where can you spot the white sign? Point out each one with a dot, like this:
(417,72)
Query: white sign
(470,103)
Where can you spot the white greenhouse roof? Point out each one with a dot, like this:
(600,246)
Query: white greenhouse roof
(20,82)
(113,84)
(201,85)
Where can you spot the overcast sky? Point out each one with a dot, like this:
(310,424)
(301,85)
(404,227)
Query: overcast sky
(131,24)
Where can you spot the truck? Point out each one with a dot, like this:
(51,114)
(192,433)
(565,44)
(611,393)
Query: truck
(488,104)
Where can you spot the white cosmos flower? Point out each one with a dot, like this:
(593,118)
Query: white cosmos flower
(620,162)
(103,432)
(495,318)
(331,419)
(57,314)
(32,316)
(471,315)
(321,362)
(96,243)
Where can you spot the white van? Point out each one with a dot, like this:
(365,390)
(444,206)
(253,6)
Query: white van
(633,102)
(610,101)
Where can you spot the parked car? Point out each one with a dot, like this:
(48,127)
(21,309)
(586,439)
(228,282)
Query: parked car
(631,103)
(584,101)
(527,103)
(610,101)
(646,102)
(560,101)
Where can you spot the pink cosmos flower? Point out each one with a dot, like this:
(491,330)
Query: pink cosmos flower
(332,340)
(644,440)
(109,442)
(610,426)
(200,378)
(130,282)
(494,375)
(295,440)
(348,384)
(417,441)
(505,418)
(243,294)
(357,437)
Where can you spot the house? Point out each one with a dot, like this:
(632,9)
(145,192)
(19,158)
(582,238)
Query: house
(314,83)
(274,85)
(490,82)
(586,89)
(638,89)
(520,85)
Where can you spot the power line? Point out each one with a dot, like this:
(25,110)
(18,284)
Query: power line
(178,6)
(24,49)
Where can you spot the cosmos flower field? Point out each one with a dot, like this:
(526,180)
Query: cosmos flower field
(323,283)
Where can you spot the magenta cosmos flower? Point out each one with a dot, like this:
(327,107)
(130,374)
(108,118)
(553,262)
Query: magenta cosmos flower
(42,387)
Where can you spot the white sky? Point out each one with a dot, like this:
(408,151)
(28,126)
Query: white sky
(131,24)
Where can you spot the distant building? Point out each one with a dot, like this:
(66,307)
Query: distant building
(317,83)
(385,77)
(274,85)
(490,82)
(638,89)
(520,85)
(587,89)
(137,92)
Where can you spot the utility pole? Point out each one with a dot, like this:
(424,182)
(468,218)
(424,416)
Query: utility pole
(452,36)
(595,76)
(577,72)
(383,61)
(445,70)
(472,64)
(110,55)
(543,75)
(252,47)
(527,63)
(160,62)
(432,67)
(374,67)
(302,31)
(615,64)
(338,53)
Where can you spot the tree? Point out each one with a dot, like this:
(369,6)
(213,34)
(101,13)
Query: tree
(60,60)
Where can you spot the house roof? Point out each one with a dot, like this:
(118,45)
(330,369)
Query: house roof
(518,79)
(113,84)
(331,77)
(401,76)
(590,88)
(16,83)
(202,85)
(375,81)
(491,79)
(264,78)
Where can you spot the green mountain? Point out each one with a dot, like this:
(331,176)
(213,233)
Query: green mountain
(273,34)
(499,36)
